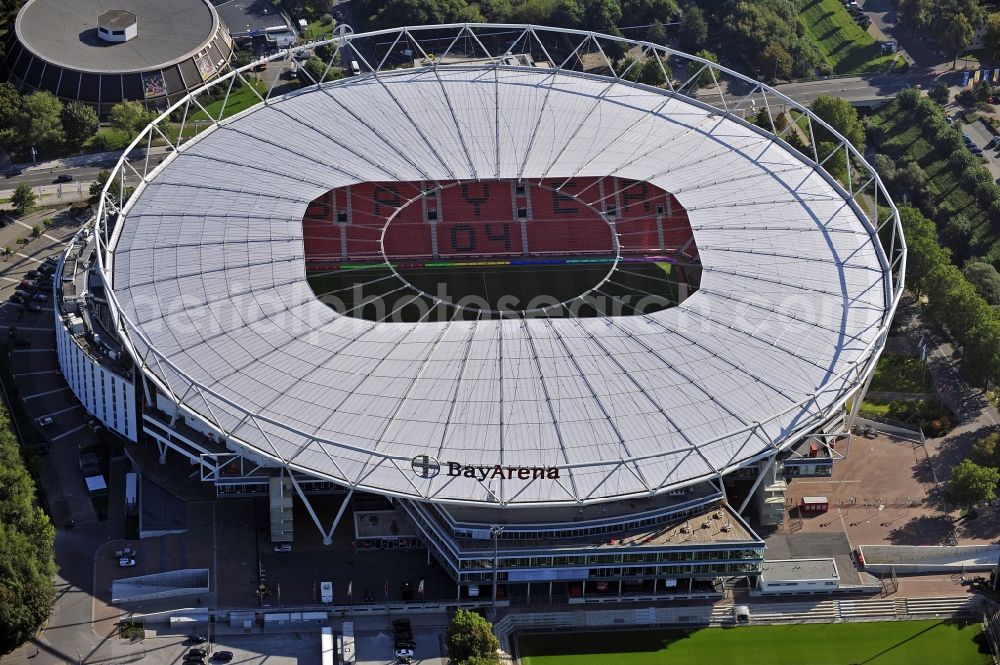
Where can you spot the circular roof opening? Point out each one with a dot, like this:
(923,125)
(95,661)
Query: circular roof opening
(494,248)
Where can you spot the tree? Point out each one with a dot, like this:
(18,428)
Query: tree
(693,30)
(40,121)
(985,278)
(775,62)
(568,14)
(312,71)
(23,198)
(940,93)
(79,122)
(986,451)
(957,37)
(836,164)
(957,232)
(10,108)
(657,33)
(971,484)
(982,349)
(99,183)
(26,548)
(886,168)
(694,66)
(129,117)
(10,104)
(839,114)
(471,636)
(991,38)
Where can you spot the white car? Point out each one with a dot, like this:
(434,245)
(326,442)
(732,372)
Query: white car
(126,562)
(404,653)
(45,421)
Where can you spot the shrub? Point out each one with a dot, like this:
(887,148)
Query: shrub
(326,19)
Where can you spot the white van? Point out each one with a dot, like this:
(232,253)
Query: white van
(355,69)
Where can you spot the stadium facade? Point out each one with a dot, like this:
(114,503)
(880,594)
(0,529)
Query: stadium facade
(102,52)
(555,451)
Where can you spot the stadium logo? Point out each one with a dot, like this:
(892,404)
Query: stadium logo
(426,466)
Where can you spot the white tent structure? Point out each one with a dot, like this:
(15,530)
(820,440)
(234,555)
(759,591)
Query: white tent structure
(206,275)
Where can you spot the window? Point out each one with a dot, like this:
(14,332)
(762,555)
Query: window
(341,217)
(432,215)
(118,33)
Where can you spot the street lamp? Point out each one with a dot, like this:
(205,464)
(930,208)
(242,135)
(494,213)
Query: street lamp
(496,531)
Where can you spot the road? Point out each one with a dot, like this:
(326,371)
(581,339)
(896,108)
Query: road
(855,89)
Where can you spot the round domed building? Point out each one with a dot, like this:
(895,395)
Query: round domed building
(104,51)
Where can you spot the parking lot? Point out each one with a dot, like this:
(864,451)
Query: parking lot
(60,421)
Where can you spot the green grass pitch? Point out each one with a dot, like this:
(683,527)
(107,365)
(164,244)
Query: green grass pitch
(890,643)
(651,286)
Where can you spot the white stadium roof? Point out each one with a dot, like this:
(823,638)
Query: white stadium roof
(209,276)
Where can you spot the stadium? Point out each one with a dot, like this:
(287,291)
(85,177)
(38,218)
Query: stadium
(571,328)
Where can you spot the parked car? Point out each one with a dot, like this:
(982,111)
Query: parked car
(26,284)
(223,656)
(40,297)
(401,623)
(65,177)
(193,658)
(403,634)
(404,653)
(45,421)
(33,307)
(406,591)
(126,562)
(12,172)
(405,644)
(31,274)
(198,639)
(994,142)
(283,548)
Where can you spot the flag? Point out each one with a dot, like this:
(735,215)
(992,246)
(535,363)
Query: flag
(975,77)
(387,589)
(965,79)
(349,594)
(420,588)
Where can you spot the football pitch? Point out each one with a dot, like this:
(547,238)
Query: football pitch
(890,643)
(371,291)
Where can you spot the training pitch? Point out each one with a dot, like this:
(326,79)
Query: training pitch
(881,643)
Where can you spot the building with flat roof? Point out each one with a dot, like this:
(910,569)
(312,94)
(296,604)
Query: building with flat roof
(798,576)
(105,51)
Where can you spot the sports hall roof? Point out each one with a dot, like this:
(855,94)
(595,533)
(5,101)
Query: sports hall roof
(209,271)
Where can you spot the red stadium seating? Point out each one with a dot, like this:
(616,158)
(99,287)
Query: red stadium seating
(482,219)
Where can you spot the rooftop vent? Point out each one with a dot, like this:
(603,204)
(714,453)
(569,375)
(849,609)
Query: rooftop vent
(117,25)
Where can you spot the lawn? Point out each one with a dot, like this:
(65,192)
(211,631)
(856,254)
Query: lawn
(650,286)
(905,140)
(239,100)
(895,643)
(846,45)
(317,31)
(901,374)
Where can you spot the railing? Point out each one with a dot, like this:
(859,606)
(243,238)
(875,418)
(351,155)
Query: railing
(729,94)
